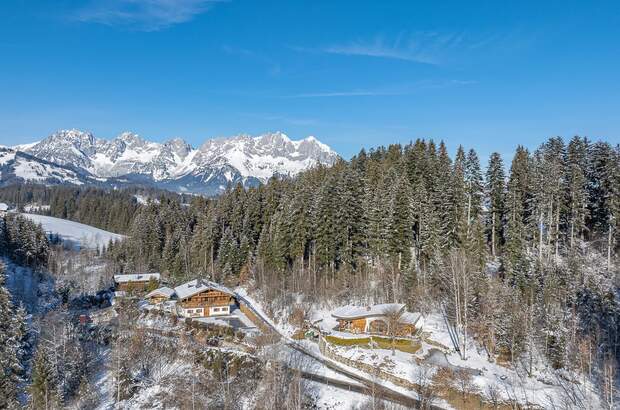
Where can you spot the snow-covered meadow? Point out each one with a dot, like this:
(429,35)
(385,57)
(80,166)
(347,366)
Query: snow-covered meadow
(75,234)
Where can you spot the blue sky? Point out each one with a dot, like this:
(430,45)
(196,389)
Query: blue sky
(488,75)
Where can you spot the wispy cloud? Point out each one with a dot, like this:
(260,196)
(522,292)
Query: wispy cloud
(143,15)
(404,89)
(421,47)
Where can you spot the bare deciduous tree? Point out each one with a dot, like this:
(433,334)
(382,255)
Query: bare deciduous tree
(458,278)
(393,316)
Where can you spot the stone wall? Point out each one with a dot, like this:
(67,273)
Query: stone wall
(327,351)
(256,320)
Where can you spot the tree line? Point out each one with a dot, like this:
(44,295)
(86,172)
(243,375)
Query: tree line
(108,209)
(402,206)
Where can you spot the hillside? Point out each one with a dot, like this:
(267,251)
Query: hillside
(74,234)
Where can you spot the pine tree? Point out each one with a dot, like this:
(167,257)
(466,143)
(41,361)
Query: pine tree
(460,202)
(45,387)
(443,194)
(576,188)
(475,242)
(514,259)
(11,345)
(401,224)
(495,197)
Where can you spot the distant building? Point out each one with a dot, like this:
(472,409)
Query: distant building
(160,295)
(374,319)
(136,281)
(4,208)
(199,298)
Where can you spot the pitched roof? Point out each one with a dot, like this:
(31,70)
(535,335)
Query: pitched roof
(350,312)
(163,291)
(195,286)
(136,277)
(410,318)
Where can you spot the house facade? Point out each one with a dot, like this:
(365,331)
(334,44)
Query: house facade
(136,281)
(375,319)
(201,298)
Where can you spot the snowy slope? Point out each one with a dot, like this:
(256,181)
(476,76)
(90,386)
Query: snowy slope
(75,233)
(176,165)
(16,166)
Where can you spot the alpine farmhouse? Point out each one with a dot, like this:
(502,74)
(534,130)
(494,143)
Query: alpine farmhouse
(136,282)
(200,298)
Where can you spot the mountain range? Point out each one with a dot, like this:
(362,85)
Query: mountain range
(77,157)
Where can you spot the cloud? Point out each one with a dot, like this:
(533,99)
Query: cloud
(143,15)
(405,89)
(421,47)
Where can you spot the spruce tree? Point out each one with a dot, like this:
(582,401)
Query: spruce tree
(11,346)
(45,387)
(576,196)
(518,197)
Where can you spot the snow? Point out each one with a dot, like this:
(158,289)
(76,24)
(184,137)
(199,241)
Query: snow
(136,277)
(355,312)
(163,291)
(3,206)
(75,233)
(332,398)
(543,388)
(141,200)
(25,287)
(24,147)
(6,156)
(198,285)
(30,170)
(36,208)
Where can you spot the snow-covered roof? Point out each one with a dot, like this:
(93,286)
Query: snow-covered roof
(136,277)
(3,206)
(410,318)
(350,312)
(163,291)
(195,286)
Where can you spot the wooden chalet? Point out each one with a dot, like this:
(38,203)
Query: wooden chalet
(160,295)
(200,298)
(374,319)
(136,281)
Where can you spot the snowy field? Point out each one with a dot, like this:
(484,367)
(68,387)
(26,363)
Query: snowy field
(74,233)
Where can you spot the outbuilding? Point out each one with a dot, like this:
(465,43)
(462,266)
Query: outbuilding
(136,281)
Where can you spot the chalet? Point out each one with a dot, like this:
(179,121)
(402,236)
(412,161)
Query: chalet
(4,208)
(200,298)
(374,319)
(136,281)
(160,295)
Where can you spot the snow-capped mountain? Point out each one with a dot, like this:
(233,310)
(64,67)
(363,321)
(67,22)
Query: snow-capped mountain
(175,164)
(17,166)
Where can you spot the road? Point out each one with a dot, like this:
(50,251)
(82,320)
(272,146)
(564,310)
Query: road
(369,386)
